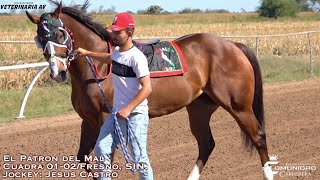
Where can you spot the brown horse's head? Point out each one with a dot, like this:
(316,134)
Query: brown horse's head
(54,40)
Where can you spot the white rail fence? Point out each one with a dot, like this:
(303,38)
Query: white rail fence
(44,65)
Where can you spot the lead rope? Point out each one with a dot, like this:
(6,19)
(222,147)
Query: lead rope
(130,134)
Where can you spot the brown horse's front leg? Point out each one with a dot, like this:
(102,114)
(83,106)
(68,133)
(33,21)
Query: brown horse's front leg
(89,135)
(200,111)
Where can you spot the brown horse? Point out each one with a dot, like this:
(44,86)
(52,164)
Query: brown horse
(221,73)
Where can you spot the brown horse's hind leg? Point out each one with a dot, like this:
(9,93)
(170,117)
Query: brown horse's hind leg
(253,133)
(88,139)
(251,118)
(200,111)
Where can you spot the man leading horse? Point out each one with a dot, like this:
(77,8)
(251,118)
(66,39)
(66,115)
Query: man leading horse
(132,86)
(220,73)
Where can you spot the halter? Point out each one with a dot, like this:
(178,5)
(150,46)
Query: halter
(47,32)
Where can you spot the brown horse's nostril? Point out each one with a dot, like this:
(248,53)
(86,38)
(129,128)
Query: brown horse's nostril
(63,75)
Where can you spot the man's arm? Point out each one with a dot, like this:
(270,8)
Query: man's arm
(100,56)
(143,94)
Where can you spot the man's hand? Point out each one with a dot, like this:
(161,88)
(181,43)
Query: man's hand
(82,51)
(100,56)
(124,113)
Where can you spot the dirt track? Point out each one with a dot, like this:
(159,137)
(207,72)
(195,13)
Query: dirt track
(292,122)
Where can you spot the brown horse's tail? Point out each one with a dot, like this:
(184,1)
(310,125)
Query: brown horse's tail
(257,105)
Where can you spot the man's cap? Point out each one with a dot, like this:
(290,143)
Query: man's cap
(122,21)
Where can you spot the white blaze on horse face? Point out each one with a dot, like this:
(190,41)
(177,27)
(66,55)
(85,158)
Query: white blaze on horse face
(195,173)
(54,61)
(54,68)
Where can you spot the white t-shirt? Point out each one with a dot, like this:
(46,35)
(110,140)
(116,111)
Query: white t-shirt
(127,68)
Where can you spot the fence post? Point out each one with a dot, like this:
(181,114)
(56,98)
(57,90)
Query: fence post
(25,98)
(257,47)
(311,54)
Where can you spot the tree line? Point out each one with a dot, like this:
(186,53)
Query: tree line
(280,8)
(267,8)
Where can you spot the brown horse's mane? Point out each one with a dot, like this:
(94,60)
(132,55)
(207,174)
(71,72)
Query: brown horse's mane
(78,12)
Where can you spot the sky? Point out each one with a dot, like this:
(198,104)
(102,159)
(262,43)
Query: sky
(168,5)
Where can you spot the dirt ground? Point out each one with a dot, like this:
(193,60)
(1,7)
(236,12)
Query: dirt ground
(292,124)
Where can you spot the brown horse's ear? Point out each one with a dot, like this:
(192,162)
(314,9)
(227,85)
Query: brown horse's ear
(33,18)
(58,11)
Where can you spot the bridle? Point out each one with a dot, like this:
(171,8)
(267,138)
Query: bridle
(46,39)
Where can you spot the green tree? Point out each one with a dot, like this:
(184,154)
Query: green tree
(304,5)
(141,12)
(100,9)
(278,8)
(111,10)
(190,10)
(155,9)
(219,11)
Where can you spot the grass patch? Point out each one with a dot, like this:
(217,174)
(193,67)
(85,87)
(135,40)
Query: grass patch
(285,69)
(42,102)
